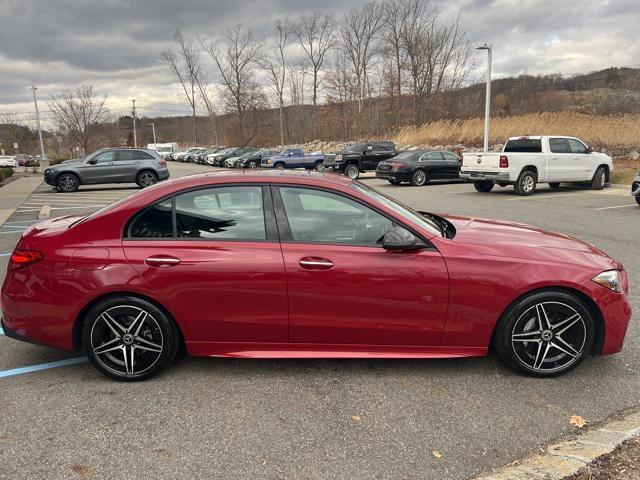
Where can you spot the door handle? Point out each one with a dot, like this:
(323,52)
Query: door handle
(315,263)
(162,261)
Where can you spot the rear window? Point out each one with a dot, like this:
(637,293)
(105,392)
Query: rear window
(529,145)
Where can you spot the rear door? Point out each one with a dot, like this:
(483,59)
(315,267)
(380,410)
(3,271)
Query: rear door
(561,161)
(435,164)
(126,163)
(452,165)
(214,256)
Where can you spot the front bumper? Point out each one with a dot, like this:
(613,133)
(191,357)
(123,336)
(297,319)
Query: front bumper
(497,177)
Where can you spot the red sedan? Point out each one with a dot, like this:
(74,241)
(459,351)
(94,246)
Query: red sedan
(264,265)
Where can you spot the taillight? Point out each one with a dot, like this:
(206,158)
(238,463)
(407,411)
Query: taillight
(163,163)
(396,165)
(504,161)
(22,258)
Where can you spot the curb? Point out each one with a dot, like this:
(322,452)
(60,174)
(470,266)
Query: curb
(566,458)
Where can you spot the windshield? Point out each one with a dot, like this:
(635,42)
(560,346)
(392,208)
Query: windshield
(399,208)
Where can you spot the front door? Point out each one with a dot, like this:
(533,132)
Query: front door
(344,288)
(101,167)
(582,164)
(218,265)
(561,161)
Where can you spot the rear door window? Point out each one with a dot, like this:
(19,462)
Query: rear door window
(123,155)
(559,145)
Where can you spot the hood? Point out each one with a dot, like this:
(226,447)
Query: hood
(517,240)
(69,163)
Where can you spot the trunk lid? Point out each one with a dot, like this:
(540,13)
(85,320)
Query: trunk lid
(482,161)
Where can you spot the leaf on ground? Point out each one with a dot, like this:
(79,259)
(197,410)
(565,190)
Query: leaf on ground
(355,418)
(577,421)
(437,454)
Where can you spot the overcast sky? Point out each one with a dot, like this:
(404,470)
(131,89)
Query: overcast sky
(114,44)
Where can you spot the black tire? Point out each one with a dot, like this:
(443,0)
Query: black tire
(419,178)
(318,165)
(67,183)
(252,164)
(526,183)
(352,171)
(599,180)
(554,186)
(552,349)
(146,178)
(279,166)
(115,327)
(483,187)
(393,181)
(638,200)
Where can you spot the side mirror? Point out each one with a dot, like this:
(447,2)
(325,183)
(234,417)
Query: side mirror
(589,150)
(401,239)
(92,161)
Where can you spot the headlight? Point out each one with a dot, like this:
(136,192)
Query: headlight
(609,279)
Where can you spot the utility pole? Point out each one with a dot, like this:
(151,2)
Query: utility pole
(487,101)
(153,129)
(43,158)
(135,138)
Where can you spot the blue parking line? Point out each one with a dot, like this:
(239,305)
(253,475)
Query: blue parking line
(41,366)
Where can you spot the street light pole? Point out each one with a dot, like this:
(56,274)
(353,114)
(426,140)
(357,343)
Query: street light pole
(487,101)
(135,137)
(153,129)
(43,158)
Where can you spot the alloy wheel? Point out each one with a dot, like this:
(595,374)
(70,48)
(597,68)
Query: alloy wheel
(126,340)
(352,172)
(419,177)
(147,179)
(549,336)
(528,183)
(68,183)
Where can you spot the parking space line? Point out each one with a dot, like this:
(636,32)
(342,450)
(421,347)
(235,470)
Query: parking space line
(616,206)
(42,366)
(541,197)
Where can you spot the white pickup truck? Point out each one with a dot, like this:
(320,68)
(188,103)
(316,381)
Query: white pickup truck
(526,161)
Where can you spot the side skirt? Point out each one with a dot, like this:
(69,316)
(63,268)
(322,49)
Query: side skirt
(310,350)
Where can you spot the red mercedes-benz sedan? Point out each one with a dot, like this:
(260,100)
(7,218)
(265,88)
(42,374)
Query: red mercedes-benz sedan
(262,265)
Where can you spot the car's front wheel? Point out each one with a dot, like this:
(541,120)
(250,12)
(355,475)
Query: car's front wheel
(67,182)
(352,171)
(599,180)
(128,338)
(545,334)
(146,179)
(252,164)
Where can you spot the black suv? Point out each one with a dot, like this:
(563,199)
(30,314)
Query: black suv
(635,188)
(360,157)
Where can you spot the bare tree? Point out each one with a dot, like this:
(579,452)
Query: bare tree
(275,65)
(341,83)
(186,67)
(314,32)
(360,40)
(433,52)
(76,112)
(395,17)
(236,62)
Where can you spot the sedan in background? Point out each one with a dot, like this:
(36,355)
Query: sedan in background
(255,264)
(418,167)
(253,159)
(8,161)
(109,165)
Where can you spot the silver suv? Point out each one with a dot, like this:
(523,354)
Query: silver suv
(109,165)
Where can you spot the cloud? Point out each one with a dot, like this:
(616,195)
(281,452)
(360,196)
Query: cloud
(114,45)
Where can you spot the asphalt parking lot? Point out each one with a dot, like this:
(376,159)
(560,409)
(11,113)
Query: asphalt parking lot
(228,418)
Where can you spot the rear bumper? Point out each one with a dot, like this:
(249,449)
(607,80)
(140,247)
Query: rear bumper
(396,175)
(497,177)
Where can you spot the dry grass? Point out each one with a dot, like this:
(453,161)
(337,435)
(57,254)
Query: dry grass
(599,131)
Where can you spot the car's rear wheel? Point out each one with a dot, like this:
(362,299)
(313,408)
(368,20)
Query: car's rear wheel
(419,178)
(67,182)
(526,183)
(352,171)
(483,187)
(146,179)
(318,165)
(393,181)
(127,338)
(545,334)
(599,180)
(252,164)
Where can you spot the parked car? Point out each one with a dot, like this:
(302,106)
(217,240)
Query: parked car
(178,155)
(254,159)
(22,159)
(109,165)
(209,156)
(219,158)
(635,187)
(360,157)
(294,158)
(190,157)
(8,161)
(526,161)
(417,167)
(201,157)
(336,269)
